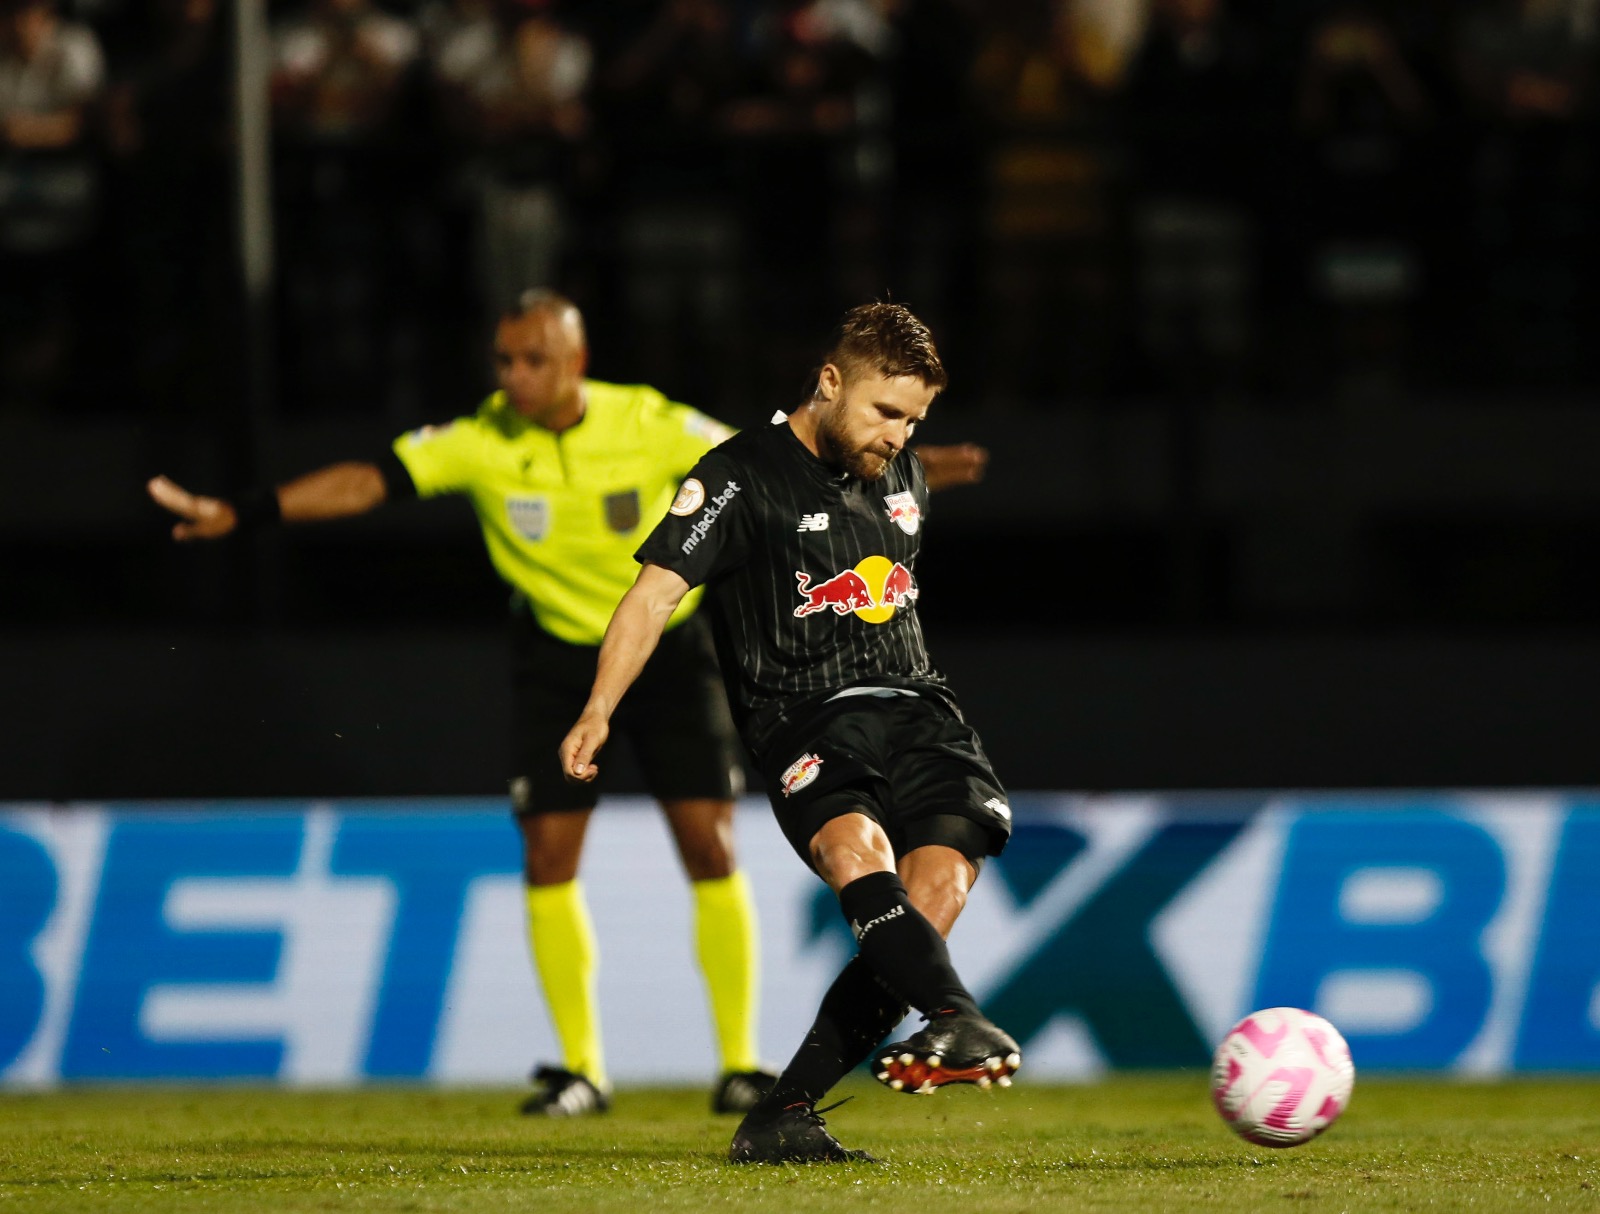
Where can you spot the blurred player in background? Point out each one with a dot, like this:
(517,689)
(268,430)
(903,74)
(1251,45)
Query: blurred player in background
(563,471)
(804,535)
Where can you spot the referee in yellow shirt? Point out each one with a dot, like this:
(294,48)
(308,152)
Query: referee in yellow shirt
(563,473)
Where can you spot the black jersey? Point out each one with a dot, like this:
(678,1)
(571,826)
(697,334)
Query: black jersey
(810,574)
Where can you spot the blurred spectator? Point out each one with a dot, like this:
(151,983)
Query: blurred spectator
(513,92)
(51,72)
(344,184)
(1049,302)
(167,122)
(1528,62)
(1189,106)
(1102,36)
(338,70)
(933,233)
(666,91)
(806,143)
(1527,68)
(1360,181)
(438,21)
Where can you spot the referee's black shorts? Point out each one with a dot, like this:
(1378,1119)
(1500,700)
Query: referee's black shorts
(675,719)
(907,761)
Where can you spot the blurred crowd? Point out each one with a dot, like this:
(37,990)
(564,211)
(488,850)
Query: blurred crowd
(1288,202)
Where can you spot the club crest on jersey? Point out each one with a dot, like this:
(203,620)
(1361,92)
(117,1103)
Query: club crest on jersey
(798,774)
(691,496)
(904,512)
(873,590)
(530,517)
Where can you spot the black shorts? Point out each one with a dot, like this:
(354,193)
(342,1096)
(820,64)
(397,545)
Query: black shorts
(674,718)
(906,761)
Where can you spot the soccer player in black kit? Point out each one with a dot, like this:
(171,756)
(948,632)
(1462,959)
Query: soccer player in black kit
(805,533)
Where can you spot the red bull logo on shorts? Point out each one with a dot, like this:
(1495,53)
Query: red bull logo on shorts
(873,590)
(800,773)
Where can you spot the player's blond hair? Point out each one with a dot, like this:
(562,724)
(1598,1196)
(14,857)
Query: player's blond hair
(887,339)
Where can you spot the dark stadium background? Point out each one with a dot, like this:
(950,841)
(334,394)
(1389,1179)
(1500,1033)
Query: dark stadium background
(1278,319)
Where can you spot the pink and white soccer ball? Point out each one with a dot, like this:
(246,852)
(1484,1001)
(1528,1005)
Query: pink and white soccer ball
(1281,1076)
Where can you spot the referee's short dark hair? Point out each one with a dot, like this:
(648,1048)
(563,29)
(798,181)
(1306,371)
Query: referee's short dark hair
(540,299)
(887,339)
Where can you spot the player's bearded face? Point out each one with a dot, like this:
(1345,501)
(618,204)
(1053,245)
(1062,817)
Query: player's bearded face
(869,423)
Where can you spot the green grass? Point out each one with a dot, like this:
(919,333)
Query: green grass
(1130,1143)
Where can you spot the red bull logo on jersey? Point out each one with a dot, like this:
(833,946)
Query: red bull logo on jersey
(904,512)
(800,773)
(873,590)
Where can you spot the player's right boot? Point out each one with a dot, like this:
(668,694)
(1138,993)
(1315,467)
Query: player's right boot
(565,1094)
(954,1047)
(792,1134)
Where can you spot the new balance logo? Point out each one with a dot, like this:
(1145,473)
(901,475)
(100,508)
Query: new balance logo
(1000,808)
(813,522)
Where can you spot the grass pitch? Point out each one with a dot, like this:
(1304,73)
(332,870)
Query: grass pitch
(1129,1143)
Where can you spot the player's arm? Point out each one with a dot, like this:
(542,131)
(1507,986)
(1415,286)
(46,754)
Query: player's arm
(949,466)
(337,491)
(631,637)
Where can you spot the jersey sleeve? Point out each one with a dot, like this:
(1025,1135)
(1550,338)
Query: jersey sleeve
(439,458)
(707,529)
(682,434)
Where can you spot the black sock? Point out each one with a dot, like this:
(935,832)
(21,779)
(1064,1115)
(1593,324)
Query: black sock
(901,946)
(856,1014)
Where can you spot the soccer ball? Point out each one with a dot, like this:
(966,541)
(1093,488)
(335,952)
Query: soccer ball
(1281,1076)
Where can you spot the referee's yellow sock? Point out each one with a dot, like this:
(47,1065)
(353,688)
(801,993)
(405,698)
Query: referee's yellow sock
(565,957)
(725,937)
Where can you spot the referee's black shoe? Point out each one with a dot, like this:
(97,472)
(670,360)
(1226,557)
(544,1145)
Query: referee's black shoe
(741,1091)
(792,1134)
(954,1047)
(565,1094)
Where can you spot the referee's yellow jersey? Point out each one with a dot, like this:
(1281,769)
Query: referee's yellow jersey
(562,514)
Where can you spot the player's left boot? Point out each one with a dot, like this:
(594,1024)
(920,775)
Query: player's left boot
(741,1091)
(954,1047)
(565,1094)
(793,1134)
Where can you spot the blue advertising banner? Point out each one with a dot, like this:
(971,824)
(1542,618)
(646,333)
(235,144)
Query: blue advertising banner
(359,941)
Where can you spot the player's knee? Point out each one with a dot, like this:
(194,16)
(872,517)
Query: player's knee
(841,862)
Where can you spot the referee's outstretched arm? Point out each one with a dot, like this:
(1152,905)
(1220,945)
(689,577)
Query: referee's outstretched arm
(337,491)
(949,466)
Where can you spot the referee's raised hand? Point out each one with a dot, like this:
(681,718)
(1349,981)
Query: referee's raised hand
(204,518)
